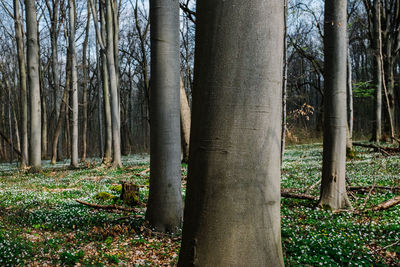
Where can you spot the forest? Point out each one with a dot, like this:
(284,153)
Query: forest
(199,133)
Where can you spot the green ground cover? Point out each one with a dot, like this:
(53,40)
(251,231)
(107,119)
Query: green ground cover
(42,224)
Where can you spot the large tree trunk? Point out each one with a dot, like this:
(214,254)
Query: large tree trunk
(164,208)
(185,122)
(22,84)
(232,209)
(333,186)
(34,85)
(115,112)
(74,85)
(84,87)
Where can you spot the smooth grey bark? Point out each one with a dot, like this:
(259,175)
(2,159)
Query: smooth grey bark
(106,89)
(377,77)
(99,107)
(232,209)
(22,83)
(74,85)
(284,85)
(115,111)
(185,122)
(84,87)
(34,85)
(164,207)
(333,186)
(350,112)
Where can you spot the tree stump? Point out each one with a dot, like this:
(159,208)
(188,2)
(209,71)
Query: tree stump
(130,193)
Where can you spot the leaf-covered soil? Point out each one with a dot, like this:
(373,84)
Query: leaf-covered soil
(41,224)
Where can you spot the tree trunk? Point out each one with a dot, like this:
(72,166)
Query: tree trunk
(100,110)
(164,207)
(333,186)
(74,85)
(84,87)
(115,112)
(377,77)
(63,111)
(232,209)
(284,85)
(22,84)
(350,118)
(34,85)
(185,122)
(106,91)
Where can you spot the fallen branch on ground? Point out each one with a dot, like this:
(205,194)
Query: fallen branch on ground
(386,205)
(312,186)
(297,196)
(106,207)
(386,151)
(367,188)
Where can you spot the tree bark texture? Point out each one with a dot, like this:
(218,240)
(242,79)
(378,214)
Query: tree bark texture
(74,85)
(232,209)
(115,112)
(106,90)
(164,208)
(22,84)
(84,87)
(185,122)
(34,84)
(333,186)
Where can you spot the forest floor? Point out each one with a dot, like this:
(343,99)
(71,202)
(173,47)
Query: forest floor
(41,224)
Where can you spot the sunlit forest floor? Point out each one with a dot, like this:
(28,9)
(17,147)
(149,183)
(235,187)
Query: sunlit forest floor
(41,224)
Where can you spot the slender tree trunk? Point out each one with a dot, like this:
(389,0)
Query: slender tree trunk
(284,86)
(22,84)
(333,186)
(61,119)
(54,31)
(164,207)
(115,112)
(44,119)
(350,118)
(84,87)
(34,85)
(100,110)
(74,85)
(232,209)
(377,127)
(63,111)
(185,122)
(10,125)
(106,93)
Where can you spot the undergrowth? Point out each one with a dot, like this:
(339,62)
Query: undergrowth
(42,224)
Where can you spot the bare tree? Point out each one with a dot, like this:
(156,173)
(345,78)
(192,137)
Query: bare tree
(22,83)
(74,84)
(34,85)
